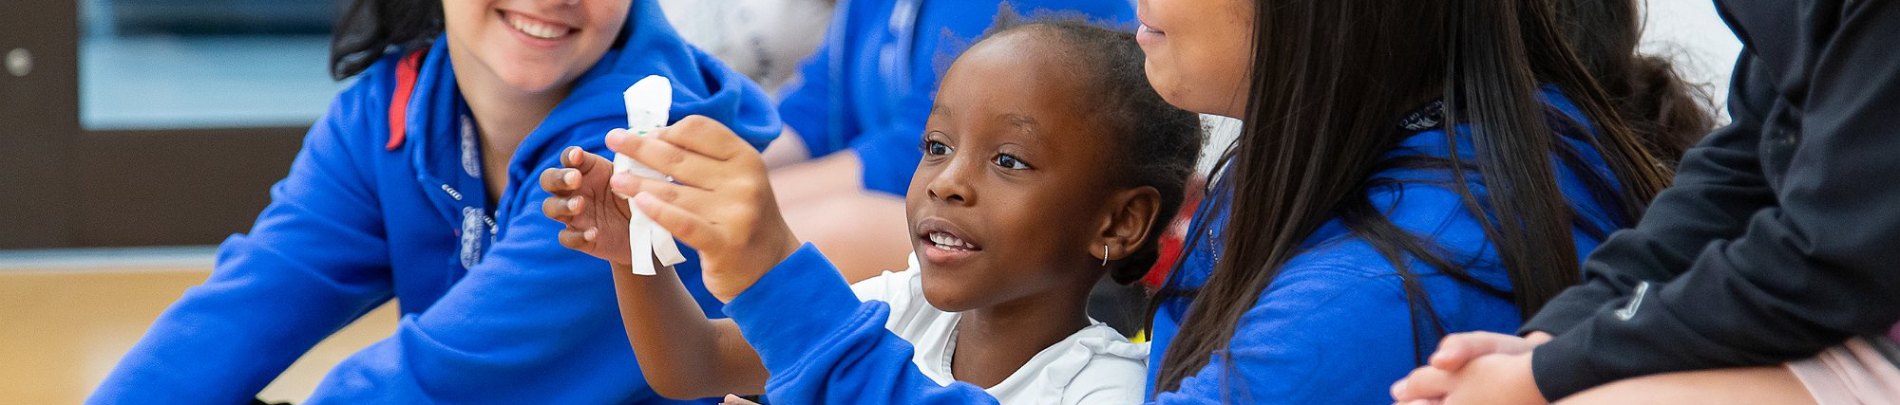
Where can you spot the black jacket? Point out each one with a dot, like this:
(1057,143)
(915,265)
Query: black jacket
(1781,235)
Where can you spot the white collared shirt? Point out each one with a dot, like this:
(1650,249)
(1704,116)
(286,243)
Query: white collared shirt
(1096,365)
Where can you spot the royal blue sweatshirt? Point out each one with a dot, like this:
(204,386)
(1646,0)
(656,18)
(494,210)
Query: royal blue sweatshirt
(869,87)
(1333,328)
(491,313)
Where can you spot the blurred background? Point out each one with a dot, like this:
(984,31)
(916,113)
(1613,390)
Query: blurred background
(134,136)
(137,134)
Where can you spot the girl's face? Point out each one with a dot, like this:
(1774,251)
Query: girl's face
(530,46)
(1006,201)
(1198,52)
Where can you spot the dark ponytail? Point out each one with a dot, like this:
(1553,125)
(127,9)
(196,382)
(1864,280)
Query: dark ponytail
(371,29)
(1668,113)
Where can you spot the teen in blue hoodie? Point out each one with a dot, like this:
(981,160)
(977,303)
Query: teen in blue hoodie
(416,186)
(1439,167)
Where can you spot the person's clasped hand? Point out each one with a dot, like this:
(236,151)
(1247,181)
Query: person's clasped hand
(1478,368)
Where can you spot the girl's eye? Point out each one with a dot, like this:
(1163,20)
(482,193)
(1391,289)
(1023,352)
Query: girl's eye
(934,148)
(1009,162)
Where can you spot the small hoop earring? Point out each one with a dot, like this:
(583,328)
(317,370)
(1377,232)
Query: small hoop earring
(1104,254)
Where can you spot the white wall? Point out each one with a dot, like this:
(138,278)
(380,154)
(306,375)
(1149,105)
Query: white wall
(1691,33)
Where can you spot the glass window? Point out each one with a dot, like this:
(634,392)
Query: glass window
(180,64)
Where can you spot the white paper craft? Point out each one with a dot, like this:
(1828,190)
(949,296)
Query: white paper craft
(648,103)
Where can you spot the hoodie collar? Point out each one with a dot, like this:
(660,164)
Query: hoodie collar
(701,86)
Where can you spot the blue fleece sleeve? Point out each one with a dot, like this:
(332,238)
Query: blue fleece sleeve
(1320,335)
(494,325)
(831,348)
(315,260)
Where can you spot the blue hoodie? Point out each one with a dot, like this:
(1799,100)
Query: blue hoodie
(1333,328)
(869,87)
(491,313)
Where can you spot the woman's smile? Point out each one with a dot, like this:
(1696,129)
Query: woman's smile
(536,31)
(529,48)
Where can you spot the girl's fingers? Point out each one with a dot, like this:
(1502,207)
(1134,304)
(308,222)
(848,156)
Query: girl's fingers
(564,209)
(556,208)
(684,166)
(627,184)
(705,136)
(574,157)
(573,238)
(577,205)
(680,195)
(570,156)
(685,225)
(560,181)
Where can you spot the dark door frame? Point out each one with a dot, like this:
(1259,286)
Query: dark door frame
(64,186)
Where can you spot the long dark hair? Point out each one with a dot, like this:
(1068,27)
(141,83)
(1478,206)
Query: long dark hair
(370,29)
(1668,113)
(1331,79)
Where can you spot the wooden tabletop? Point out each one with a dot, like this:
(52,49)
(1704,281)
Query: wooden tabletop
(62,329)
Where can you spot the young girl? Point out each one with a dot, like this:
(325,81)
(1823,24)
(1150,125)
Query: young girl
(416,187)
(1407,169)
(1048,161)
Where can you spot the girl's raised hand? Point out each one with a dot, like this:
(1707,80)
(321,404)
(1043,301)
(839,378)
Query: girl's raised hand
(596,219)
(722,203)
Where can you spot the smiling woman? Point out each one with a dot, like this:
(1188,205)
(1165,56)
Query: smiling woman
(518,60)
(451,101)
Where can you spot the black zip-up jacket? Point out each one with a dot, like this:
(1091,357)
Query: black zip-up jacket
(1781,235)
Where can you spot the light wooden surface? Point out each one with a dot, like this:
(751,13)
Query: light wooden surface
(62,330)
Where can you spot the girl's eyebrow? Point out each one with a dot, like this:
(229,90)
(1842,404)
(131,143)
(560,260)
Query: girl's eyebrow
(1027,124)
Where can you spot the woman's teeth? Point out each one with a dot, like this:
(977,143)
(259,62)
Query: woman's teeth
(947,242)
(537,29)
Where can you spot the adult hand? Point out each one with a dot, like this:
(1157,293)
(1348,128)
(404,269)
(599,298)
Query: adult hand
(596,219)
(1454,353)
(1455,350)
(722,203)
(1494,379)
